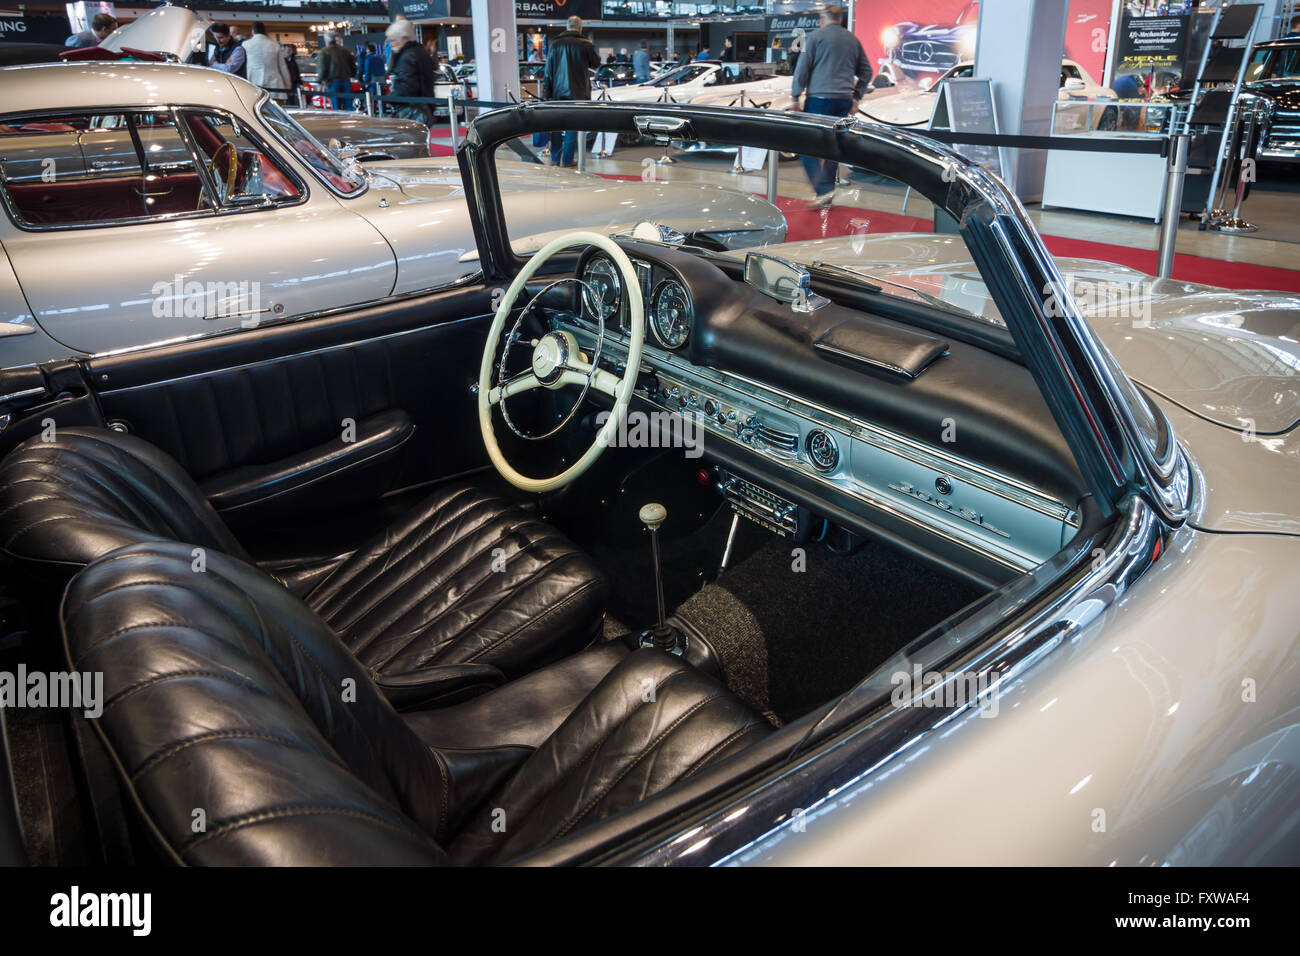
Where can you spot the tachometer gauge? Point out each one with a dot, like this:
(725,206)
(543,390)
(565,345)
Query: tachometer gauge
(671,314)
(602,276)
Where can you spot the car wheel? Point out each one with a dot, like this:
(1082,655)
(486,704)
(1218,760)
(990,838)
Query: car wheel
(1109,120)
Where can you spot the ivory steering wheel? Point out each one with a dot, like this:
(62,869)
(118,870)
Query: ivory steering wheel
(558,361)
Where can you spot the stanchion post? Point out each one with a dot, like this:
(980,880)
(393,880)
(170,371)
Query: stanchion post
(773,163)
(370,103)
(582,150)
(1173,210)
(451,119)
(302,99)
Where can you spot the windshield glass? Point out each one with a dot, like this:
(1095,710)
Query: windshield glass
(863,224)
(845,224)
(1274,63)
(323,163)
(683,74)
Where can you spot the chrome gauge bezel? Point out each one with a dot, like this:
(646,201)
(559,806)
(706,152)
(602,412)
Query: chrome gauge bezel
(829,439)
(587,269)
(654,313)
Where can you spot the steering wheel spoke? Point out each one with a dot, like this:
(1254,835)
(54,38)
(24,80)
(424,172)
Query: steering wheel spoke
(577,370)
(523,382)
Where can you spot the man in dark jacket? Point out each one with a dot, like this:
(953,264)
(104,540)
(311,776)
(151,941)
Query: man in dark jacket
(226,53)
(411,70)
(334,70)
(565,77)
(835,74)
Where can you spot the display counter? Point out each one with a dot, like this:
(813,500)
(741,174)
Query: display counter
(1124,184)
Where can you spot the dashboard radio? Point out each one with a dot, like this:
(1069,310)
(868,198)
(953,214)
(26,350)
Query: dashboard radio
(776,514)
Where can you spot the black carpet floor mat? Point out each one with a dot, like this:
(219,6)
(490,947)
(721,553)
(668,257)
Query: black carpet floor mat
(791,635)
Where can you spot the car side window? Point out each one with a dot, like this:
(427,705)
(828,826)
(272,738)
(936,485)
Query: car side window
(69,170)
(241,172)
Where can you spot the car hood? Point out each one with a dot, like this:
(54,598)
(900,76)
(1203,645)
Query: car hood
(1226,356)
(435,180)
(539,198)
(172,30)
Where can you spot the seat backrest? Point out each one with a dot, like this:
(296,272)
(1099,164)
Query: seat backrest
(242,729)
(89,491)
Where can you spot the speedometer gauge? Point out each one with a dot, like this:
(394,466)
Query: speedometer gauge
(671,314)
(602,276)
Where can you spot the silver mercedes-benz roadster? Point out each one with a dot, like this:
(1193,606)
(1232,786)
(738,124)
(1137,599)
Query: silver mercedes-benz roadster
(663,535)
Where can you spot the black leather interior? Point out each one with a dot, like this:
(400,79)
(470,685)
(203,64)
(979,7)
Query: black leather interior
(244,732)
(464,579)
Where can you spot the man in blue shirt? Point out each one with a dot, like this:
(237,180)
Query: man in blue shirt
(704,54)
(835,74)
(641,63)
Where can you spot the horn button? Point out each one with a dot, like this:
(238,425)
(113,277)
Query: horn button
(551,356)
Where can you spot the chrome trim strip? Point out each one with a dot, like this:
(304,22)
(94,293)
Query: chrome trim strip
(23,394)
(298,317)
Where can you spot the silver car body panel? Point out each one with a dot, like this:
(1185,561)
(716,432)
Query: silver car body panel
(1162,732)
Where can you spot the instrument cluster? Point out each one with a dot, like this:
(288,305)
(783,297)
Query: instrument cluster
(670,312)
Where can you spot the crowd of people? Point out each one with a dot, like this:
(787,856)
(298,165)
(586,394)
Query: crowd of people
(408,66)
(831,70)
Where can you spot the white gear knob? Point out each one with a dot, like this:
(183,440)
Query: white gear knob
(652,515)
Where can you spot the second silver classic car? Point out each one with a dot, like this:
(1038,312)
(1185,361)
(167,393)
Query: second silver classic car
(200,205)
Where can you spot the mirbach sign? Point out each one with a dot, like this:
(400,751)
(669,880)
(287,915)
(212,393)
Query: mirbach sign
(557,9)
(419,9)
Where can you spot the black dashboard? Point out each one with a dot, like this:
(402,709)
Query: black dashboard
(811,411)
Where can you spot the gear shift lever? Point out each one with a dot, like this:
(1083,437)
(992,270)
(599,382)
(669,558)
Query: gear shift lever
(661,635)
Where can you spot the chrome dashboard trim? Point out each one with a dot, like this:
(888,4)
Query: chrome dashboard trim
(994,482)
(927,515)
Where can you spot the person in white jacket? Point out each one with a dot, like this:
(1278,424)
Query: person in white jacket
(266,66)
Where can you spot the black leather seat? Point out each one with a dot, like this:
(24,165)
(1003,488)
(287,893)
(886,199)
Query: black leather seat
(224,693)
(466,589)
